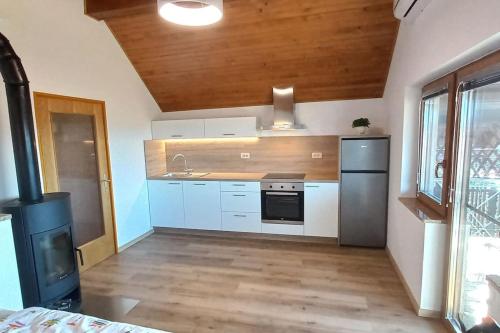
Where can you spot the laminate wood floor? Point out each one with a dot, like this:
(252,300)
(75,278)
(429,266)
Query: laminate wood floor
(188,283)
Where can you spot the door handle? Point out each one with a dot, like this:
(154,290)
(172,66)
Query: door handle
(80,254)
(283,194)
(105,180)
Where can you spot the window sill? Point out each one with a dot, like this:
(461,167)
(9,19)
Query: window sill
(421,211)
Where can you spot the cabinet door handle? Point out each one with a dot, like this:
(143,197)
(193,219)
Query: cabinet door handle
(238,215)
(239,195)
(313,186)
(176,136)
(241,185)
(174,183)
(228,134)
(200,184)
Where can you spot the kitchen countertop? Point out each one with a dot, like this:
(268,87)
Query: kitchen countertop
(251,176)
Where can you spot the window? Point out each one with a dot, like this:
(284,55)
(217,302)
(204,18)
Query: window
(436,130)
(459,177)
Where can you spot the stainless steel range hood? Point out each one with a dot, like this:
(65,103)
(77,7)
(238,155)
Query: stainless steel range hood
(284,109)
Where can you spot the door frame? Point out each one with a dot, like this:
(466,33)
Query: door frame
(46,174)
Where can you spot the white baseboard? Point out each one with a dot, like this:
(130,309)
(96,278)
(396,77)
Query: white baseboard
(135,241)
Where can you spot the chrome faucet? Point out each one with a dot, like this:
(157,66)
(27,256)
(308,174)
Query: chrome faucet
(186,169)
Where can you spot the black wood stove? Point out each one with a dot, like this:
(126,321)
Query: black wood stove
(42,224)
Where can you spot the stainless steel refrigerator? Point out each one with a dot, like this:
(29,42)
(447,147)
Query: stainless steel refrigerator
(364,181)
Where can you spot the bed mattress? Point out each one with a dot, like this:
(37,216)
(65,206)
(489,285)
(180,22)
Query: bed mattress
(48,321)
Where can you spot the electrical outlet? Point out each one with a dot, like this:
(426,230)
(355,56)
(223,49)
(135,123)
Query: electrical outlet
(317,155)
(245,155)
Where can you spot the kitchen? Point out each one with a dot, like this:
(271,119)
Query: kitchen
(224,174)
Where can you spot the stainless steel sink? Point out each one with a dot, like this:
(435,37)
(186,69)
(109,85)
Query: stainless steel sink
(185,174)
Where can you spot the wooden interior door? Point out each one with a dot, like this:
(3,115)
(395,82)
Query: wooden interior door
(74,156)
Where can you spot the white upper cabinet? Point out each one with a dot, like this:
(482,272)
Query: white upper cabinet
(178,129)
(321,202)
(166,203)
(202,206)
(231,127)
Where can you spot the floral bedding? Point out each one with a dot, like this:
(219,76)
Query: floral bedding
(51,321)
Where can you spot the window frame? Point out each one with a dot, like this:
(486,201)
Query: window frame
(447,83)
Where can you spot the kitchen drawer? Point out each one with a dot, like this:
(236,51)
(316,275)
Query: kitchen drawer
(202,185)
(242,222)
(240,186)
(240,202)
(283,229)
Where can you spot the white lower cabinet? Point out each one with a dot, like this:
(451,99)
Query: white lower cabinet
(202,207)
(321,209)
(241,222)
(166,203)
(236,206)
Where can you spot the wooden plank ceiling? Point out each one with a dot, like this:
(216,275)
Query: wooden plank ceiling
(327,49)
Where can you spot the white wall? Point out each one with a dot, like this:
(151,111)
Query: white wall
(319,118)
(446,36)
(10,286)
(64,52)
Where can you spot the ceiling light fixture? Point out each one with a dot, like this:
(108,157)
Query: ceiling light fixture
(191,12)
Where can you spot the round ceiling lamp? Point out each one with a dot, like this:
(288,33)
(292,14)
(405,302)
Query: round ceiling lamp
(191,12)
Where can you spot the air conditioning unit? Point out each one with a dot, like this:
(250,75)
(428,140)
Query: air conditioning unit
(408,10)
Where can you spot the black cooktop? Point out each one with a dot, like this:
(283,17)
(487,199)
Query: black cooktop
(285,176)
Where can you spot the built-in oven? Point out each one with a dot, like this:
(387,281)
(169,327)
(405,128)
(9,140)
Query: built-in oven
(282,203)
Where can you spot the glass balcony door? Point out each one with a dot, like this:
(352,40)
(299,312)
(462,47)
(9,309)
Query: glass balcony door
(476,212)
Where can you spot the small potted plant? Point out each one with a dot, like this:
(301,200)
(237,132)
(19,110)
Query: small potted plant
(361,125)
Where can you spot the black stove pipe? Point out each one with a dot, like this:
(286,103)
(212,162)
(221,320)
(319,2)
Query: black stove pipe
(21,123)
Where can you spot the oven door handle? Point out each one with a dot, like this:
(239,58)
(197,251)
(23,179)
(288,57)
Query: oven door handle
(286,194)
